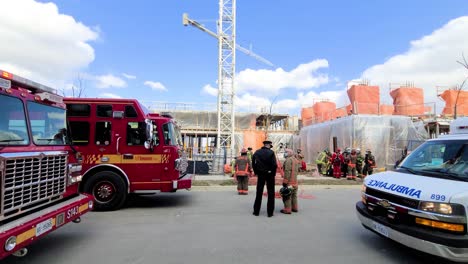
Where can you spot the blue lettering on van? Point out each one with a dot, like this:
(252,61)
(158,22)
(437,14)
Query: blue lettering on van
(395,187)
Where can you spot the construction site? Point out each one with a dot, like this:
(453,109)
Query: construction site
(214,134)
(365,124)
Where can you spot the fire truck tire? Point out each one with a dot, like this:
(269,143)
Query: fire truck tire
(108,189)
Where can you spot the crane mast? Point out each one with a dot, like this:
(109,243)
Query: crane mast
(226,72)
(227,46)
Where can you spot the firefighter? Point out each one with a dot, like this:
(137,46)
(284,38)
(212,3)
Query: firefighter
(264,166)
(233,169)
(337,160)
(243,168)
(249,153)
(291,169)
(352,165)
(360,160)
(369,163)
(344,165)
(322,162)
(300,158)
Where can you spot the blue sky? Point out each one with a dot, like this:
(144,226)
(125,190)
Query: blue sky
(140,49)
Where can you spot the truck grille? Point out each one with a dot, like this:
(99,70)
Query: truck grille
(410,203)
(30,181)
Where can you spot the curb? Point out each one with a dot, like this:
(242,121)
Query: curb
(231,182)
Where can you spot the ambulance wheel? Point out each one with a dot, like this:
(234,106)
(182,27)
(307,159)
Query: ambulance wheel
(109,190)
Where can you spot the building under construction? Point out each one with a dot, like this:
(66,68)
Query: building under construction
(387,130)
(199,131)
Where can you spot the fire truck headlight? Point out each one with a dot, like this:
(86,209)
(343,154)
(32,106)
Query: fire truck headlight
(90,205)
(10,243)
(79,156)
(177,164)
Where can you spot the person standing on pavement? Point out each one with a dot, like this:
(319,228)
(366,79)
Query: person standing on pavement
(352,165)
(369,164)
(264,165)
(243,168)
(337,160)
(249,154)
(359,162)
(291,169)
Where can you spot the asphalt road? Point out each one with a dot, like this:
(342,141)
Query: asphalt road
(215,225)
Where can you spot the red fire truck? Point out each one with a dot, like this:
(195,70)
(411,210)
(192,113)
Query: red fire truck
(125,150)
(39,170)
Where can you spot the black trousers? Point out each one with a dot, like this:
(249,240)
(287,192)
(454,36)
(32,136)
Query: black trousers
(269,179)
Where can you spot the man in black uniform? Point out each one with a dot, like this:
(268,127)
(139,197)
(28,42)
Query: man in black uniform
(264,165)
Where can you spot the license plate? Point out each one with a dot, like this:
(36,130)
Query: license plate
(381,229)
(44,226)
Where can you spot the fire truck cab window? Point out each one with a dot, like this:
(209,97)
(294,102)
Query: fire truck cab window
(48,124)
(78,110)
(104,110)
(168,131)
(136,133)
(103,133)
(13,130)
(79,132)
(130,111)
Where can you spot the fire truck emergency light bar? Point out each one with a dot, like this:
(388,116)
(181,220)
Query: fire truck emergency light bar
(34,86)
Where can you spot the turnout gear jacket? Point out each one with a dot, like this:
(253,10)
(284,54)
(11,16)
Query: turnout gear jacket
(243,166)
(291,169)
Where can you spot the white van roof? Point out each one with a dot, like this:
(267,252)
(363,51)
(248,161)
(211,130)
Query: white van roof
(459,126)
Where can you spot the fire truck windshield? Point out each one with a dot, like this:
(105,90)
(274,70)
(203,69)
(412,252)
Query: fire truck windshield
(172,135)
(48,124)
(13,129)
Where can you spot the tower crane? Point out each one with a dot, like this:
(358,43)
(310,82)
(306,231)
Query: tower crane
(226,68)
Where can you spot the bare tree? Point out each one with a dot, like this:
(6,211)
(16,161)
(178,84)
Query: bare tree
(464,63)
(269,117)
(77,89)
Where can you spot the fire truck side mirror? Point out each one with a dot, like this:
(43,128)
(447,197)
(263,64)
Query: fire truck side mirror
(149,143)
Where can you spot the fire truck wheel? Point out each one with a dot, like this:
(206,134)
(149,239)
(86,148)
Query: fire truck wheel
(108,189)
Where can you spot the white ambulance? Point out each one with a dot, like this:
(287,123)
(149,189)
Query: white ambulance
(423,204)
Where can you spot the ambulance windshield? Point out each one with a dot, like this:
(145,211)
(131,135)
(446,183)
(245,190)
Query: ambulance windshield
(444,159)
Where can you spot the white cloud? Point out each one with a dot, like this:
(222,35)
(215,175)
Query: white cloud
(429,62)
(109,80)
(304,76)
(209,90)
(109,95)
(339,97)
(129,76)
(251,103)
(157,86)
(40,43)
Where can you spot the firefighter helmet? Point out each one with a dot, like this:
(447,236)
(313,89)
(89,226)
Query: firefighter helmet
(285,192)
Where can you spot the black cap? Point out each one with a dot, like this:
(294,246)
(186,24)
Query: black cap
(267,142)
(249,148)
